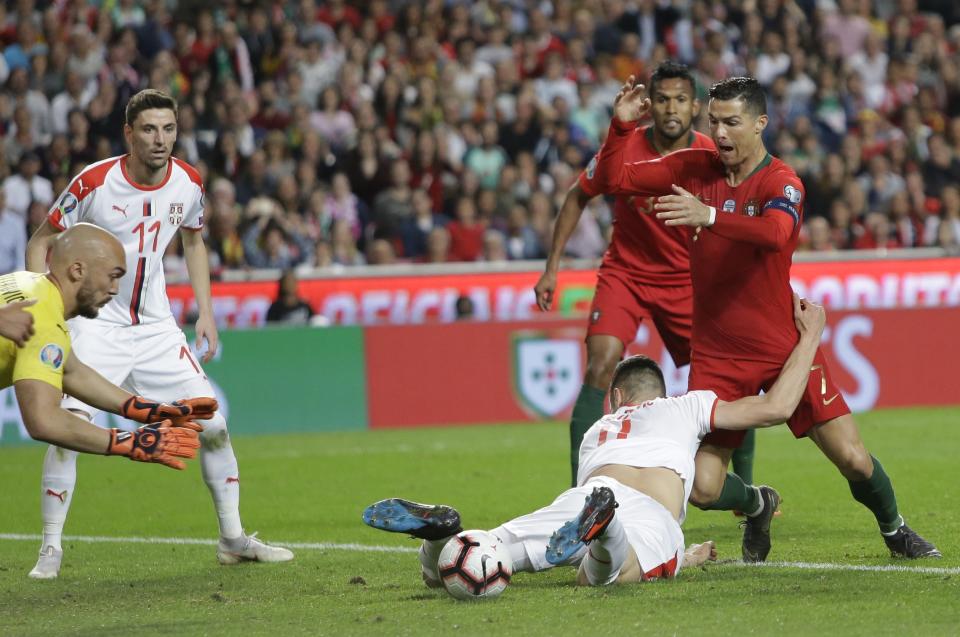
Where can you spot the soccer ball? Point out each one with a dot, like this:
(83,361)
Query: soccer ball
(475,565)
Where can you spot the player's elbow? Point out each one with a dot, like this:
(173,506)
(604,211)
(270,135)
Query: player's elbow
(778,410)
(38,427)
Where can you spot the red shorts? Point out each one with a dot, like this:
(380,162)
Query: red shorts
(731,379)
(620,304)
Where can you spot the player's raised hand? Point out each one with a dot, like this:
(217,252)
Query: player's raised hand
(682,209)
(16,323)
(206,328)
(544,290)
(631,102)
(809,317)
(162,443)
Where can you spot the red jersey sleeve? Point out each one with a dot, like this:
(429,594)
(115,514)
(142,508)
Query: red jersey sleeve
(614,175)
(782,194)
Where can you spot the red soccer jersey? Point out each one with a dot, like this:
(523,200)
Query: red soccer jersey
(740,266)
(641,245)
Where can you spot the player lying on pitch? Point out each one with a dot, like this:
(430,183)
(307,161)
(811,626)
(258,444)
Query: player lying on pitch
(636,471)
(86,264)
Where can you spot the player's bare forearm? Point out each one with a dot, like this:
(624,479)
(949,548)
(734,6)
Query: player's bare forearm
(198,269)
(46,421)
(567,220)
(38,246)
(84,383)
(778,404)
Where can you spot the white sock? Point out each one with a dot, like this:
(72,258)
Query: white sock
(606,555)
(753,514)
(219,467)
(429,556)
(56,492)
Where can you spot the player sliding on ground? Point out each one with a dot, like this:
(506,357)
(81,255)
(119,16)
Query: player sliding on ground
(86,264)
(145,198)
(622,522)
(744,210)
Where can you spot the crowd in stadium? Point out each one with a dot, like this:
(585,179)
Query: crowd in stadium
(436,131)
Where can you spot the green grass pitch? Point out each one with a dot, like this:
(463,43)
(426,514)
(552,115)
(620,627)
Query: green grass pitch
(312,488)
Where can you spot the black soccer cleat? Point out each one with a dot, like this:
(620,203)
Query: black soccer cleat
(594,517)
(424,521)
(756,530)
(907,543)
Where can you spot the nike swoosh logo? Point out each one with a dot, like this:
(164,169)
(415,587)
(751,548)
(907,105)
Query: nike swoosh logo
(826,401)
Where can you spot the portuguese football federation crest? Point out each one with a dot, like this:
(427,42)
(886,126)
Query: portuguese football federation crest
(547,373)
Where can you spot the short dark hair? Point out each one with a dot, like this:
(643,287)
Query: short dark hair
(745,88)
(638,374)
(669,70)
(145,100)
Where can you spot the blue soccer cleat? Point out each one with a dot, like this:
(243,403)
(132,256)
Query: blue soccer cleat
(424,521)
(596,514)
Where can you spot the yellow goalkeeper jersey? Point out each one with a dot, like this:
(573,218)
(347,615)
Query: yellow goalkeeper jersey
(45,354)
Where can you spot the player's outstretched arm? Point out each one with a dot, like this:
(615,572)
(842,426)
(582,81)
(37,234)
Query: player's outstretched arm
(781,401)
(83,382)
(567,220)
(16,323)
(39,245)
(46,421)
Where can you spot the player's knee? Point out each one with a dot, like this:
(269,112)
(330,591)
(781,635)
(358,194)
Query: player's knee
(705,492)
(854,462)
(214,435)
(600,366)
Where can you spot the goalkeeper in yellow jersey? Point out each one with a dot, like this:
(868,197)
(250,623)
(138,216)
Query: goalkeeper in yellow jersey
(86,264)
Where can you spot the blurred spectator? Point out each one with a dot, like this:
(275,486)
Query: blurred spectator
(13,239)
(487,159)
(494,247)
(381,252)
(289,308)
(438,246)
(466,232)
(464,308)
(415,230)
(27,185)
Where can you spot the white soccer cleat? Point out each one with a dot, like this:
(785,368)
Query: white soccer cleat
(48,566)
(247,548)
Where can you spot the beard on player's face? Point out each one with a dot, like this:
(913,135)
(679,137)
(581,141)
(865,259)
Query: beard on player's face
(90,299)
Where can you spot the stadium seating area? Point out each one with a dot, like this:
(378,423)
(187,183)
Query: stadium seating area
(431,131)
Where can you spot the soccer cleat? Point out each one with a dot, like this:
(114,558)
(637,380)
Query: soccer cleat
(424,521)
(247,548)
(756,530)
(907,543)
(594,517)
(48,566)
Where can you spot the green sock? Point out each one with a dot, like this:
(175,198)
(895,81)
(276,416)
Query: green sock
(587,410)
(876,493)
(736,495)
(743,457)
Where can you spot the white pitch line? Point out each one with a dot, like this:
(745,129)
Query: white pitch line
(317,546)
(374,548)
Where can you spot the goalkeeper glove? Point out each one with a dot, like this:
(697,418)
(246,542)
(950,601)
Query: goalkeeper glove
(162,442)
(182,413)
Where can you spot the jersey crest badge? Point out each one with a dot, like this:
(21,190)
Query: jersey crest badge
(592,167)
(176,214)
(752,208)
(68,203)
(729,205)
(52,356)
(792,194)
(547,373)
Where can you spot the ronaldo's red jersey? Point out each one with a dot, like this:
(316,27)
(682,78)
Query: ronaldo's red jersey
(642,245)
(740,266)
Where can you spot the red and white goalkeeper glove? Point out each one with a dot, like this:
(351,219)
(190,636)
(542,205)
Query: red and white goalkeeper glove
(162,442)
(181,413)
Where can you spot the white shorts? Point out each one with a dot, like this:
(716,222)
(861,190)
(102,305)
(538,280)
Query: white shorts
(152,360)
(653,534)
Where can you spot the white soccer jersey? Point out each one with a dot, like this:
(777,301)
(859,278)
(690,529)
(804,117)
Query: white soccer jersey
(144,219)
(665,432)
